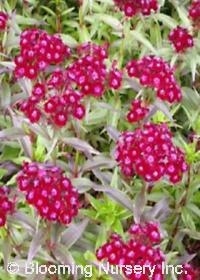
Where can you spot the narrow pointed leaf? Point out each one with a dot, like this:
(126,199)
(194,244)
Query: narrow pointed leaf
(73,233)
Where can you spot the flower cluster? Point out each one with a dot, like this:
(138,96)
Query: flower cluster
(3,21)
(6,205)
(49,191)
(149,152)
(138,250)
(89,74)
(58,93)
(181,39)
(138,111)
(155,73)
(194,11)
(131,8)
(57,108)
(148,233)
(142,248)
(38,50)
(115,77)
(188,273)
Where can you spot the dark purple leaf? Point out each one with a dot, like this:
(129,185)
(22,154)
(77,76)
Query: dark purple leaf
(73,233)
(80,145)
(36,244)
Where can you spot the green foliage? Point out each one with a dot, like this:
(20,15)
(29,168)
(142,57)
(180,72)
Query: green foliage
(84,150)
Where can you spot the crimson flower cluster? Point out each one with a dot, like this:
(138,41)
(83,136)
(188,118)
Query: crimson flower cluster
(189,273)
(142,248)
(89,74)
(138,250)
(6,205)
(150,153)
(181,39)
(138,111)
(148,233)
(49,191)
(38,50)
(132,8)
(155,73)
(194,11)
(3,21)
(57,108)
(58,92)
(115,77)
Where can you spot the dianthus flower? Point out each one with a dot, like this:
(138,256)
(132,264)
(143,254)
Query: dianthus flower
(56,108)
(3,21)
(132,8)
(138,111)
(115,77)
(181,39)
(194,12)
(155,73)
(150,153)
(188,273)
(6,205)
(140,249)
(57,93)
(38,50)
(49,191)
(89,73)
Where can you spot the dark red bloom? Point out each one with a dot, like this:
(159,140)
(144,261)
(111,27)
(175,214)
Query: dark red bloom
(88,72)
(181,39)
(188,273)
(138,250)
(6,205)
(138,111)
(3,21)
(131,8)
(194,12)
(155,73)
(115,77)
(38,50)
(150,153)
(49,191)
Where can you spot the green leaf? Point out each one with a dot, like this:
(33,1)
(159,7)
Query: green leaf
(5,95)
(97,116)
(69,40)
(107,19)
(39,152)
(183,14)
(29,21)
(140,38)
(117,227)
(97,204)
(194,209)
(3,172)
(166,20)
(187,219)
(192,233)
(117,195)
(102,237)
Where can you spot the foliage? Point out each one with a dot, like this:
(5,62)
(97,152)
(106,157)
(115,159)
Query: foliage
(84,149)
